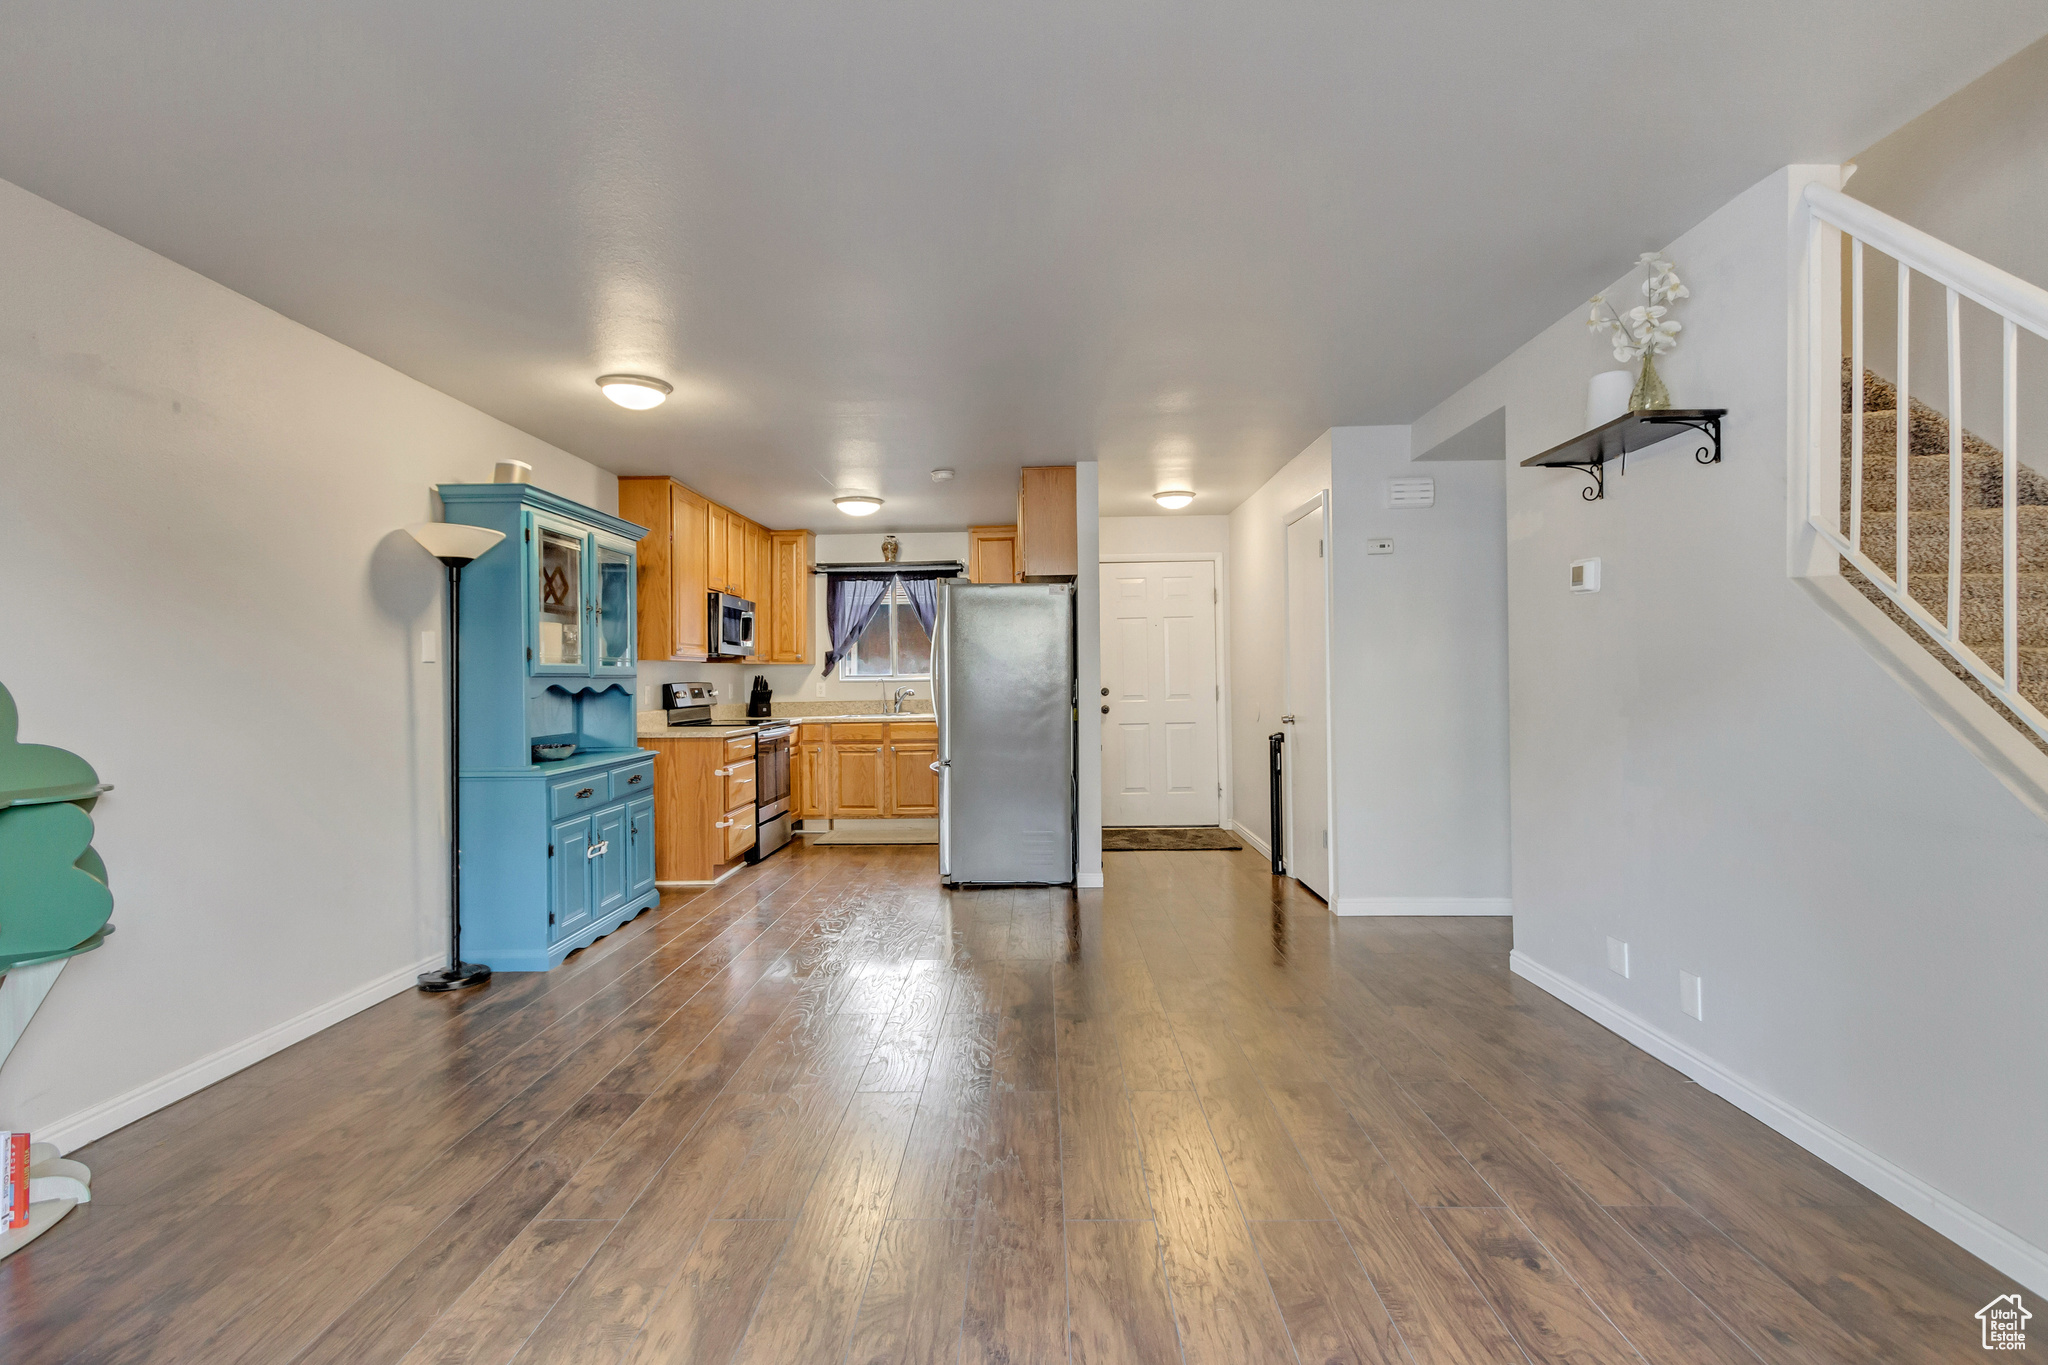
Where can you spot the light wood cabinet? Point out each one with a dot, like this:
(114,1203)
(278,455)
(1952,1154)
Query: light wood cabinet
(859,784)
(810,781)
(673,621)
(913,786)
(694,548)
(992,554)
(788,633)
(703,816)
(1047,539)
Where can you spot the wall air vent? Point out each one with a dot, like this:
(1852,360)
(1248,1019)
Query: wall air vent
(1411,492)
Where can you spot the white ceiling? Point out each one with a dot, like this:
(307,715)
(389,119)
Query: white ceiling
(865,239)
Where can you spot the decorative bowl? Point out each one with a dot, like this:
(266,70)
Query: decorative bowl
(549,753)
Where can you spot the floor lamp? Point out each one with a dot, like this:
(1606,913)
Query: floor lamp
(454,545)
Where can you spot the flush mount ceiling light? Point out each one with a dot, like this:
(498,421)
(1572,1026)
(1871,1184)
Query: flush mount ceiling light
(941,475)
(635,391)
(1173,499)
(858,505)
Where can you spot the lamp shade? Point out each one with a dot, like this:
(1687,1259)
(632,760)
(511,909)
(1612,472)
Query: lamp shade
(451,542)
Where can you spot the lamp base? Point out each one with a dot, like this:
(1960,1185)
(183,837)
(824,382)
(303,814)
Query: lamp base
(454,978)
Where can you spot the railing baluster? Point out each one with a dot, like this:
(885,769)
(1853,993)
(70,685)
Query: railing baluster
(2010,497)
(1856,391)
(1904,427)
(1955,467)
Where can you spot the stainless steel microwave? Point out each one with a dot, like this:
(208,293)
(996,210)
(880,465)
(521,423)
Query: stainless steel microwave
(732,626)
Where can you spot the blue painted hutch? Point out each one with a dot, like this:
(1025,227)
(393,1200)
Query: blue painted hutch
(555,853)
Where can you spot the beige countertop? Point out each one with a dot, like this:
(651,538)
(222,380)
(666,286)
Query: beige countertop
(694,731)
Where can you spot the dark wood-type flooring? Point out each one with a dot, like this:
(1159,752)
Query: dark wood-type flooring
(828,1112)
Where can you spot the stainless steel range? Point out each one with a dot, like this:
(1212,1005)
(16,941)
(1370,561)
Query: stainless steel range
(772,819)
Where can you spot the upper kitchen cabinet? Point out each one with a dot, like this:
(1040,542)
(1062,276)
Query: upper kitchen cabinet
(1047,542)
(696,547)
(992,554)
(787,634)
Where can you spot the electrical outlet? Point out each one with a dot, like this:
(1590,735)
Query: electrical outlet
(1689,995)
(821,689)
(430,646)
(1617,957)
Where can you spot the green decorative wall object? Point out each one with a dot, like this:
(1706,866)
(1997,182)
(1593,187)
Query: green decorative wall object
(54,899)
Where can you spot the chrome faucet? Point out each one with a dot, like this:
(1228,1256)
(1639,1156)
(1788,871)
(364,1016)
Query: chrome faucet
(896,702)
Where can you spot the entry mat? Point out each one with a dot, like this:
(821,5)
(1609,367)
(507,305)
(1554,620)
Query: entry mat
(879,832)
(1167,839)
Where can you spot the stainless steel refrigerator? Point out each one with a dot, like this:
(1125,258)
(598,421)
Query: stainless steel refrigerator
(1003,686)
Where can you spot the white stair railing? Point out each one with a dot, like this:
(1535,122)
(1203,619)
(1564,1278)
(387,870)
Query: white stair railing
(1838,220)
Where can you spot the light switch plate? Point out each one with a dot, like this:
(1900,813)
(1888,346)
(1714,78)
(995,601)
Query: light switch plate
(1617,957)
(1379,547)
(1585,575)
(430,646)
(1689,995)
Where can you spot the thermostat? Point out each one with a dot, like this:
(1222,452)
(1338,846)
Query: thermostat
(1585,575)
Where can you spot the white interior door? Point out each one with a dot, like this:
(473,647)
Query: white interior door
(1159,760)
(1307,759)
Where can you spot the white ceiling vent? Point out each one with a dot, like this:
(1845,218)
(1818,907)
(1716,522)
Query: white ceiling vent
(1411,492)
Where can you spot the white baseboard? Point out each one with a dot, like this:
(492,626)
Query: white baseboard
(1425,905)
(95,1122)
(1085,880)
(1964,1226)
(1265,849)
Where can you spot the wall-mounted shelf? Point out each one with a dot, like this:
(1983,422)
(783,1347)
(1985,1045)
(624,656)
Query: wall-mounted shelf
(1591,452)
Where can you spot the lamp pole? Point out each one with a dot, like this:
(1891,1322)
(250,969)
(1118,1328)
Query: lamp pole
(455,545)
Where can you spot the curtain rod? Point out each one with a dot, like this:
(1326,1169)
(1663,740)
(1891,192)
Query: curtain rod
(880,566)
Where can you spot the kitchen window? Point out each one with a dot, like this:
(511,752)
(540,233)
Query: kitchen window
(894,645)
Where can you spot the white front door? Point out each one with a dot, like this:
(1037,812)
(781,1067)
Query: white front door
(1159,694)
(1307,850)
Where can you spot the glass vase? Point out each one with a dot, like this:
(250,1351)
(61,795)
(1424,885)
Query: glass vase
(1649,394)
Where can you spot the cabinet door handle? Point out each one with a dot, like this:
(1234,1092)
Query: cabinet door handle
(722,824)
(597,850)
(587,791)
(720,772)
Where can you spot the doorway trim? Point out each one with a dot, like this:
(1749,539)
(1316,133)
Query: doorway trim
(1318,505)
(1227,808)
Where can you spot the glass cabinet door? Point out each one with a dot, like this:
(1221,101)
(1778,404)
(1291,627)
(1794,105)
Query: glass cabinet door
(558,599)
(614,622)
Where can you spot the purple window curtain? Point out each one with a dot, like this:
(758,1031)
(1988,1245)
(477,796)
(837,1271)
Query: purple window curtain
(851,601)
(924,600)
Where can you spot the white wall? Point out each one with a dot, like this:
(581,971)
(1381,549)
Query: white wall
(208,596)
(1258,628)
(1165,535)
(1418,683)
(1706,766)
(810,682)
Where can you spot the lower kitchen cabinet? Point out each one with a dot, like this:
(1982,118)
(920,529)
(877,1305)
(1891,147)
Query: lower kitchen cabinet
(865,770)
(859,785)
(705,780)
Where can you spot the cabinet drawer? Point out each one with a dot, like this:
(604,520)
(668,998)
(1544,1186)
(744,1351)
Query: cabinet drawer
(739,747)
(739,784)
(858,733)
(813,734)
(913,731)
(577,795)
(738,829)
(634,780)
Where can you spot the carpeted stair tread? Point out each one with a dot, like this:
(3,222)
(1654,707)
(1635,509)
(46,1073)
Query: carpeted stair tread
(1983,540)
(1983,607)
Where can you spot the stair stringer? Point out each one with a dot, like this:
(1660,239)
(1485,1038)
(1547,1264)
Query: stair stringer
(1979,727)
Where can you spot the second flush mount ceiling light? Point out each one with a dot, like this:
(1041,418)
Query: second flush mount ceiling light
(858,505)
(635,391)
(1173,499)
